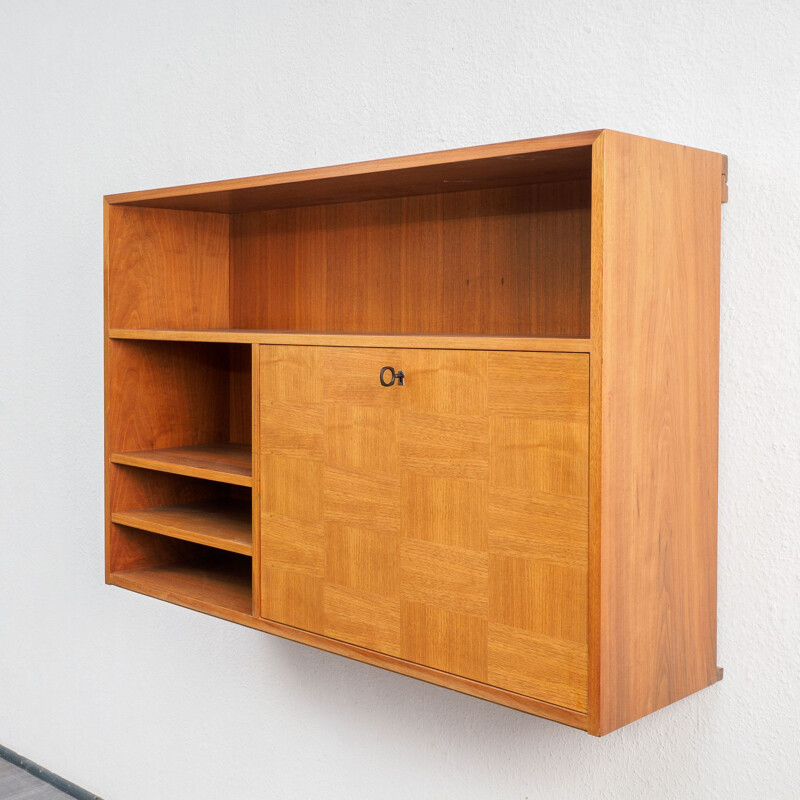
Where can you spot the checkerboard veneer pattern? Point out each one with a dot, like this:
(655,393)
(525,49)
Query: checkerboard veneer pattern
(444,521)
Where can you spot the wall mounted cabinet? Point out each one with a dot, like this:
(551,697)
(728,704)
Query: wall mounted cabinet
(453,415)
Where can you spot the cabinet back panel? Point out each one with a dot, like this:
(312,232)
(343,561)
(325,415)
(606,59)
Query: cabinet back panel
(167,269)
(509,261)
(167,394)
(241,391)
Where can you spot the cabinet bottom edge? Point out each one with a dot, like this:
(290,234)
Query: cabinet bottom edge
(492,694)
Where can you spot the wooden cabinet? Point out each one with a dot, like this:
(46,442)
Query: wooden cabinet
(453,415)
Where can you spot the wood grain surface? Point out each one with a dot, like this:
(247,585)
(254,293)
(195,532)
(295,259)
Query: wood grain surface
(511,261)
(406,519)
(167,269)
(657,556)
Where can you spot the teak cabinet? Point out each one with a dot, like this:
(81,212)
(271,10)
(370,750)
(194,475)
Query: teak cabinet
(453,415)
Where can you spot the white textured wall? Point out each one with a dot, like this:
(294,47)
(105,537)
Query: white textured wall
(136,699)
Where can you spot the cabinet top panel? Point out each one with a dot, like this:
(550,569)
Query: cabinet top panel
(551,158)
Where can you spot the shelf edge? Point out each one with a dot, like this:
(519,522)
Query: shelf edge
(552,344)
(181,469)
(130,520)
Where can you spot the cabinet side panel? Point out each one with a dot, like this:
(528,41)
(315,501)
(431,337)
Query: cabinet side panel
(167,269)
(660,351)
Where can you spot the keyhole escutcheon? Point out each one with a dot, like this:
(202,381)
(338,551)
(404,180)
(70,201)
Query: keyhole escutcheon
(398,376)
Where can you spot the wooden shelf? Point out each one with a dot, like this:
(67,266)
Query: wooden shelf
(557,344)
(226,463)
(551,158)
(224,524)
(221,583)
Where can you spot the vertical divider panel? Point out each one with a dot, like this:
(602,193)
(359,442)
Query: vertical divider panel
(256,490)
(506,261)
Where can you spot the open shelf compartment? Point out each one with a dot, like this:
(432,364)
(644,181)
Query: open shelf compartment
(496,246)
(179,439)
(190,574)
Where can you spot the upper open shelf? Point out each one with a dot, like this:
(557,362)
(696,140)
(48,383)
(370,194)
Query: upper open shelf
(486,241)
(559,344)
(543,160)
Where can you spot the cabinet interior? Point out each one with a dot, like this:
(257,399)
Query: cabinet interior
(180,441)
(505,255)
